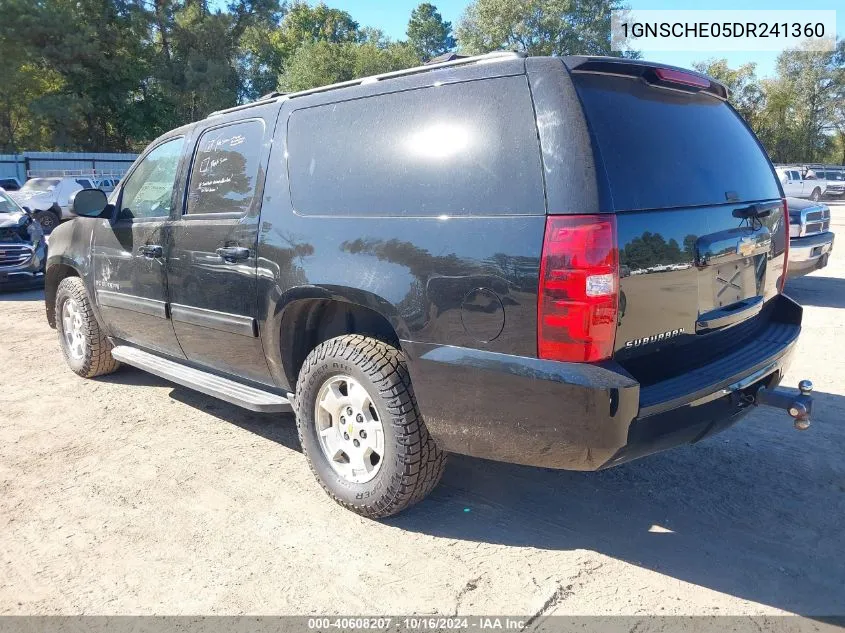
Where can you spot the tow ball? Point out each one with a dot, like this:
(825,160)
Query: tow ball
(799,406)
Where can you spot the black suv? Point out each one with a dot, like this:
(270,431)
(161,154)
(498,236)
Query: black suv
(566,263)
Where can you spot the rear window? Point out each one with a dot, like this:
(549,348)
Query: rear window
(457,149)
(663,148)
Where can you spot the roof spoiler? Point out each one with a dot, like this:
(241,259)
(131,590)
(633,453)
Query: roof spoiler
(659,75)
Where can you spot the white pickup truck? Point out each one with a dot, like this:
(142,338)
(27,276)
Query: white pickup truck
(796,186)
(49,198)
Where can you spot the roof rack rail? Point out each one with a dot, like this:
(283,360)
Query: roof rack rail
(460,61)
(268,98)
(495,55)
(445,57)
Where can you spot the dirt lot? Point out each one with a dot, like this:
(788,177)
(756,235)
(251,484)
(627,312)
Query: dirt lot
(128,495)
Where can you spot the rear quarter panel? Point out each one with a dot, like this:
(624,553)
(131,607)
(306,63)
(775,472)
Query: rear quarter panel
(424,274)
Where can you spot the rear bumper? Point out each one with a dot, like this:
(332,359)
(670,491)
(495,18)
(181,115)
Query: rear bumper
(807,254)
(587,417)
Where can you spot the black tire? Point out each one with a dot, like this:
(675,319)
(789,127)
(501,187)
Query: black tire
(412,465)
(816,195)
(47,219)
(96,359)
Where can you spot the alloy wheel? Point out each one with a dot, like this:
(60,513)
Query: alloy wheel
(73,329)
(349,429)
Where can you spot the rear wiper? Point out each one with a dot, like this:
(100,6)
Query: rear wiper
(755,211)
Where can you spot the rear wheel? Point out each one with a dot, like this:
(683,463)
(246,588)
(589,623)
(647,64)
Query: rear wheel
(85,348)
(47,219)
(816,195)
(360,427)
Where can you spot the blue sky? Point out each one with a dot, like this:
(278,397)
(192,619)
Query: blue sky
(391,16)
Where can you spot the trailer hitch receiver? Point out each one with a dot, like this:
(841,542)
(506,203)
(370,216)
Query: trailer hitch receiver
(799,406)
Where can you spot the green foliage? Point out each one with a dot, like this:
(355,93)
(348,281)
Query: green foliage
(428,33)
(799,115)
(538,27)
(320,63)
(304,24)
(746,94)
(114,74)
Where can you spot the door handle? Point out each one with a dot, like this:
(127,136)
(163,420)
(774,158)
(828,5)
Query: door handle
(728,315)
(233,253)
(151,251)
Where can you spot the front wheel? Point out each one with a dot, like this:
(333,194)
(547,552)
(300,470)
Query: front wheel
(360,428)
(47,219)
(816,195)
(85,348)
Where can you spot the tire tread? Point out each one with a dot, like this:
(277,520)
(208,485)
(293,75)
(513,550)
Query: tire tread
(100,361)
(422,460)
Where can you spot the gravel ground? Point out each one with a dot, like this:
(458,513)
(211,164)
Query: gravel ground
(127,495)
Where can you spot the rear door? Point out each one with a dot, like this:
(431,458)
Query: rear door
(700,220)
(211,268)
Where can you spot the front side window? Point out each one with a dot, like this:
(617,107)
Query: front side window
(148,193)
(226,171)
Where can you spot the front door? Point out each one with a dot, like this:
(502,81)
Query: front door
(211,269)
(129,255)
(793,185)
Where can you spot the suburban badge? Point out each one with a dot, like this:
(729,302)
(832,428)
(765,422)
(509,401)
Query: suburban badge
(654,338)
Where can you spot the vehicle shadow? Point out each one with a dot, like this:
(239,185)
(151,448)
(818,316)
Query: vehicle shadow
(22,294)
(825,292)
(279,428)
(756,512)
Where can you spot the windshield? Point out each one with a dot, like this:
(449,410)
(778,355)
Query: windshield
(7,205)
(41,184)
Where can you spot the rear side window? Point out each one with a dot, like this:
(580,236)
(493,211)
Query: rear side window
(662,148)
(225,172)
(459,149)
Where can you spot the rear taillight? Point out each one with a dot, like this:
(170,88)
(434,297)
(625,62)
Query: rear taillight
(786,246)
(577,303)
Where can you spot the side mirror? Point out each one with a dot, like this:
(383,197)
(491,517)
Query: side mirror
(89,203)
(27,210)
